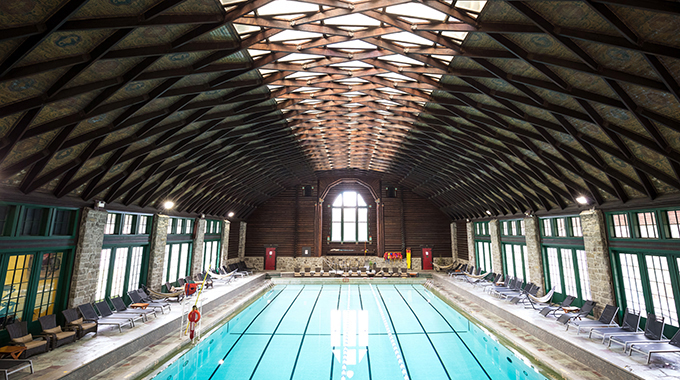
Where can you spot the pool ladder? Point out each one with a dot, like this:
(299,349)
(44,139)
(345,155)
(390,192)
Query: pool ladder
(268,285)
(429,284)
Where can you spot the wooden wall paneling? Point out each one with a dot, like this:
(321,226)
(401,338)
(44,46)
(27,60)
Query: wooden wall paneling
(461,240)
(273,223)
(232,249)
(392,224)
(425,225)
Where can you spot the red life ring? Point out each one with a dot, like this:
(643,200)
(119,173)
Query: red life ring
(194,316)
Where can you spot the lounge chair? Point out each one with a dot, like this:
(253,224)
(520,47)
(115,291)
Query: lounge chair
(58,337)
(18,333)
(354,272)
(308,272)
(82,326)
(234,267)
(653,334)
(105,311)
(649,348)
(121,307)
(515,292)
(243,268)
(140,296)
(10,366)
(224,278)
(457,270)
(471,278)
(585,310)
(297,272)
(403,272)
(442,268)
(203,278)
(533,290)
(566,302)
(395,272)
(606,320)
(631,324)
(538,303)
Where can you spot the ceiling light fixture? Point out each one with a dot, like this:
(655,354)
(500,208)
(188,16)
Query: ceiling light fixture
(231,214)
(582,200)
(488,212)
(168,205)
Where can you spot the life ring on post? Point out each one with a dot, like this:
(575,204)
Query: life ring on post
(194,317)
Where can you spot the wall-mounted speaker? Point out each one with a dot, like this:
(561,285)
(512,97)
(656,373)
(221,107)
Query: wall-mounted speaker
(306,251)
(391,192)
(307,190)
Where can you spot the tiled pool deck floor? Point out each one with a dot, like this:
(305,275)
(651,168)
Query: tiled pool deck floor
(63,361)
(663,366)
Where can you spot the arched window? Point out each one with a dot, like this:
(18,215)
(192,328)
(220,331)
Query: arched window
(349,218)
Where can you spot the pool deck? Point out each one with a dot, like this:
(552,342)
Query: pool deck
(126,355)
(570,355)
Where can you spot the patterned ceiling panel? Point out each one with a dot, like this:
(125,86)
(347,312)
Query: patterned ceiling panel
(484,108)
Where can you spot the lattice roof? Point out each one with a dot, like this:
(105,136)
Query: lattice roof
(498,106)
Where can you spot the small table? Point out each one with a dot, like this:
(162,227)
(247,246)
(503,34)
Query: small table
(139,305)
(14,351)
(571,309)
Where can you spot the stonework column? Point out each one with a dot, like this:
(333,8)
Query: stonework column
(597,251)
(197,256)
(471,242)
(533,240)
(496,258)
(454,241)
(158,241)
(87,255)
(242,241)
(224,243)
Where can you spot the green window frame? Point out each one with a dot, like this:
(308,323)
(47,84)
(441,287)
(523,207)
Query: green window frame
(562,227)
(127,224)
(483,255)
(644,225)
(177,261)
(515,260)
(481,229)
(180,226)
(34,221)
(213,227)
(121,268)
(512,227)
(648,282)
(211,255)
(566,269)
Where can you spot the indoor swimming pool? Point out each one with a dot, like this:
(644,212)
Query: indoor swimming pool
(349,332)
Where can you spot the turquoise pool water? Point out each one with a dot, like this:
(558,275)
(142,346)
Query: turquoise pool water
(349,332)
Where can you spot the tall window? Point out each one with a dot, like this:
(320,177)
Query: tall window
(349,218)
(211,254)
(568,272)
(120,270)
(516,261)
(48,283)
(17,276)
(177,261)
(483,255)
(632,282)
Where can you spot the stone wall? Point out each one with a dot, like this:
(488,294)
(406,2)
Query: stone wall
(599,267)
(288,264)
(471,242)
(242,241)
(159,238)
(197,256)
(533,240)
(224,253)
(251,262)
(87,255)
(454,241)
(496,257)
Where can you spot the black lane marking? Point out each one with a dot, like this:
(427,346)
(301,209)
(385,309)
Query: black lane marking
(304,334)
(403,358)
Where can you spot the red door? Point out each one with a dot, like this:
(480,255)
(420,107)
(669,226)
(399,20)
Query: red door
(427,258)
(270,258)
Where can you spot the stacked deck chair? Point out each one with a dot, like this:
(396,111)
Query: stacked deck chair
(317,272)
(385,272)
(606,320)
(223,278)
(140,296)
(10,366)
(514,286)
(538,303)
(308,272)
(454,269)
(74,319)
(234,267)
(122,308)
(498,285)
(649,348)
(105,311)
(533,291)
(297,272)
(631,324)
(204,278)
(19,335)
(396,272)
(326,271)
(653,334)
(586,309)
(58,337)
(460,270)
(566,302)
(354,272)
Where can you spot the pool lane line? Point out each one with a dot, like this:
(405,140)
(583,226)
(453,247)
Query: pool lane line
(425,332)
(244,331)
(368,358)
(305,332)
(454,330)
(274,333)
(337,307)
(397,351)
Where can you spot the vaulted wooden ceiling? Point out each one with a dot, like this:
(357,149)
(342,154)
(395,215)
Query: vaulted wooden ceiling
(495,107)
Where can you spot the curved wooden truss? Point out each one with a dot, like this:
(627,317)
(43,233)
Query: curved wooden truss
(498,107)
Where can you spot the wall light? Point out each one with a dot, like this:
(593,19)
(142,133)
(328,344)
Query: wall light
(168,205)
(582,200)
(488,212)
(231,214)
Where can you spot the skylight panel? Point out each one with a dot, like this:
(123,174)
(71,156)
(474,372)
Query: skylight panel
(256,53)
(304,75)
(418,10)
(311,101)
(435,76)
(273,87)
(353,64)
(460,36)
(475,6)
(264,72)
(278,7)
(353,94)
(398,58)
(391,91)
(245,29)
(397,77)
(288,35)
(357,19)
(299,57)
(445,58)
(387,102)
(351,81)
(353,44)
(307,89)
(408,38)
